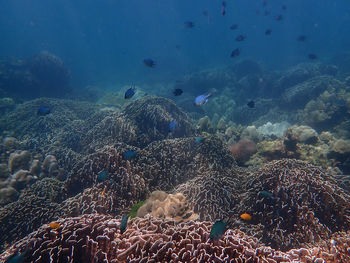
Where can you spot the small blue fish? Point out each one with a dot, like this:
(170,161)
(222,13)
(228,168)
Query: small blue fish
(129,93)
(102,176)
(201,99)
(172,126)
(42,111)
(198,139)
(128,155)
(124,224)
(218,230)
(149,62)
(235,53)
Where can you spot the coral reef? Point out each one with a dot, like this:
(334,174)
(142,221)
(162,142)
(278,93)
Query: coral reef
(213,194)
(304,204)
(299,95)
(50,75)
(96,238)
(43,74)
(34,207)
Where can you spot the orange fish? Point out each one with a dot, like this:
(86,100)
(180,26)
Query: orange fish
(54,225)
(246,216)
(103,193)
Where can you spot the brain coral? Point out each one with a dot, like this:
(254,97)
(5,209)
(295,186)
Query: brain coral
(97,238)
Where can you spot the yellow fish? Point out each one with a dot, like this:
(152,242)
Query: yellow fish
(54,225)
(246,216)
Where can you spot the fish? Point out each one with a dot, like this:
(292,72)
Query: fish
(240,38)
(284,7)
(129,93)
(267,12)
(279,18)
(172,126)
(128,155)
(189,24)
(198,139)
(149,62)
(205,12)
(54,225)
(312,56)
(246,217)
(102,176)
(124,224)
(264,3)
(235,53)
(301,38)
(103,193)
(266,194)
(234,27)
(178,47)
(218,230)
(251,104)
(268,32)
(15,258)
(223,9)
(42,111)
(201,99)
(177,92)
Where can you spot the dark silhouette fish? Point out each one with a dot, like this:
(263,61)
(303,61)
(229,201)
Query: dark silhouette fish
(189,24)
(251,104)
(284,7)
(267,12)
(235,53)
(268,32)
(42,111)
(128,155)
(149,62)
(218,230)
(234,27)
(279,18)
(240,38)
(312,56)
(102,176)
(177,92)
(205,12)
(129,93)
(223,9)
(301,38)
(264,3)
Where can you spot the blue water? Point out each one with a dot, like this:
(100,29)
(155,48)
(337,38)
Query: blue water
(105,41)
